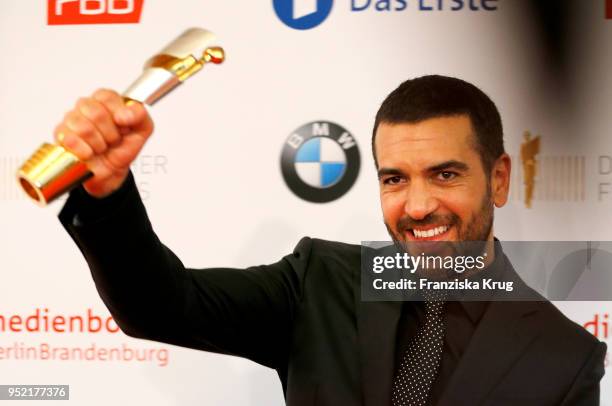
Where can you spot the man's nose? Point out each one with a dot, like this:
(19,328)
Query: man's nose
(420,201)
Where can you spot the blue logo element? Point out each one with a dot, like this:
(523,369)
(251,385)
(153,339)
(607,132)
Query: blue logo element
(320,162)
(302,14)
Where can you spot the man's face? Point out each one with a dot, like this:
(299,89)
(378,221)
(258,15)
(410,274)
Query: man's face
(433,186)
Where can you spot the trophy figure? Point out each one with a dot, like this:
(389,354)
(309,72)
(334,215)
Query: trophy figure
(52,170)
(530,148)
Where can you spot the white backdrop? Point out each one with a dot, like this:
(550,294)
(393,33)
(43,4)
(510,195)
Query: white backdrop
(228,125)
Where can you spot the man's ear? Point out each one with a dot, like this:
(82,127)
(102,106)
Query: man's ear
(500,180)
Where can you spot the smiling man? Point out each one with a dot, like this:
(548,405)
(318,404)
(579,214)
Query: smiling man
(431,178)
(438,148)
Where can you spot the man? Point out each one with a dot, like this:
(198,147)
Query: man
(438,148)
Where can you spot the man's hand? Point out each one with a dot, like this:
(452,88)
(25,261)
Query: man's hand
(107,134)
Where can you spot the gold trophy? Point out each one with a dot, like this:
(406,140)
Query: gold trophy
(52,170)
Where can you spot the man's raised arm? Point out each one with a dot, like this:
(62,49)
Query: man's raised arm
(145,286)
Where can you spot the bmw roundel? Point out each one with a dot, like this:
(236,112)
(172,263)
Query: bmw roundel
(320,161)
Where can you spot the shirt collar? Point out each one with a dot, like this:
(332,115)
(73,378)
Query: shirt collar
(476,308)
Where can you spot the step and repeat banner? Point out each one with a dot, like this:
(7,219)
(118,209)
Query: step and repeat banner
(301,72)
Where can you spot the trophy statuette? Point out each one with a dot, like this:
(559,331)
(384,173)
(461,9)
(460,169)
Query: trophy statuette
(52,170)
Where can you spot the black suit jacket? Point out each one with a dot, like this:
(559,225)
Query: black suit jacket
(304,317)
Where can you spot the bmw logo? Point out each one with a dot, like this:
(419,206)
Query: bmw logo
(320,161)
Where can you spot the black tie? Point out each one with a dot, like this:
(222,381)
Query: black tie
(421,362)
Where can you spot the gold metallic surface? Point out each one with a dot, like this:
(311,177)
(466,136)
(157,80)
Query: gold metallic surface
(186,67)
(215,55)
(183,68)
(52,170)
(530,148)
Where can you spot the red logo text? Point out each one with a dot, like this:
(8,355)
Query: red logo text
(61,12)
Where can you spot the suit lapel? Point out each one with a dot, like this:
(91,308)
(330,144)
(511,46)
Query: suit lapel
(504,333)
(377,334)
(377,324)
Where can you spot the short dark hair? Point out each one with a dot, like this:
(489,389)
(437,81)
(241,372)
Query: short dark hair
(435,96)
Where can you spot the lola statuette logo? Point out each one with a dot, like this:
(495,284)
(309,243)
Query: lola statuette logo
(542,177)
(530,148)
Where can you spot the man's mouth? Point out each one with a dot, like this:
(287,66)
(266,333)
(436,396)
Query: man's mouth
(429,233)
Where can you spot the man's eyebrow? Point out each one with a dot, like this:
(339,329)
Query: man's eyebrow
(446,165)
(389,171)
(452,164)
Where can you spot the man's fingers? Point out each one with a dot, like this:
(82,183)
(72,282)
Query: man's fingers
(101,117)
(86,130)
(73,143)
(107,133)
(136,121)
(126,151)
(110,99)
(142,120)
(129,114)
(135,116)
(115,104)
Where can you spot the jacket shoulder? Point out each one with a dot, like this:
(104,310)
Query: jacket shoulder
(327,247)
(323,258)
(319,248)
(338,255)
(562,328)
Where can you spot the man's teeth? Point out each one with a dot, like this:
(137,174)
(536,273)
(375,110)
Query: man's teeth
(429,233)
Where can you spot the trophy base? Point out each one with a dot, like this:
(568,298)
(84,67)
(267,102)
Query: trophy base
(50,172)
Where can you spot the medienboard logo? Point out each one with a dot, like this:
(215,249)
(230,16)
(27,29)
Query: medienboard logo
(66,12)
(302,14)
(320,161)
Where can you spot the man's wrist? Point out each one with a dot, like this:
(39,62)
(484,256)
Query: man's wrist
(100,190)
(92,208)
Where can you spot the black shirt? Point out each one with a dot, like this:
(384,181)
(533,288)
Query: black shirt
(461,318)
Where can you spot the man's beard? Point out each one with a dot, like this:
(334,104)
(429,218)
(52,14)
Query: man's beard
(471,237)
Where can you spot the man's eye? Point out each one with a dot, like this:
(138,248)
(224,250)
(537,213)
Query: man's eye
(446,175)
(393,180)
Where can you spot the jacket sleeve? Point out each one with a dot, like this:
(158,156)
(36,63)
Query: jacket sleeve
(151,295)
(585,388)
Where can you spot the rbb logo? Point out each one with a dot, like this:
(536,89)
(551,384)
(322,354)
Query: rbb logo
(62,12)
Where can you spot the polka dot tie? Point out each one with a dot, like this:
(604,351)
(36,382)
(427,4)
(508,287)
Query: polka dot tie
(421,361)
